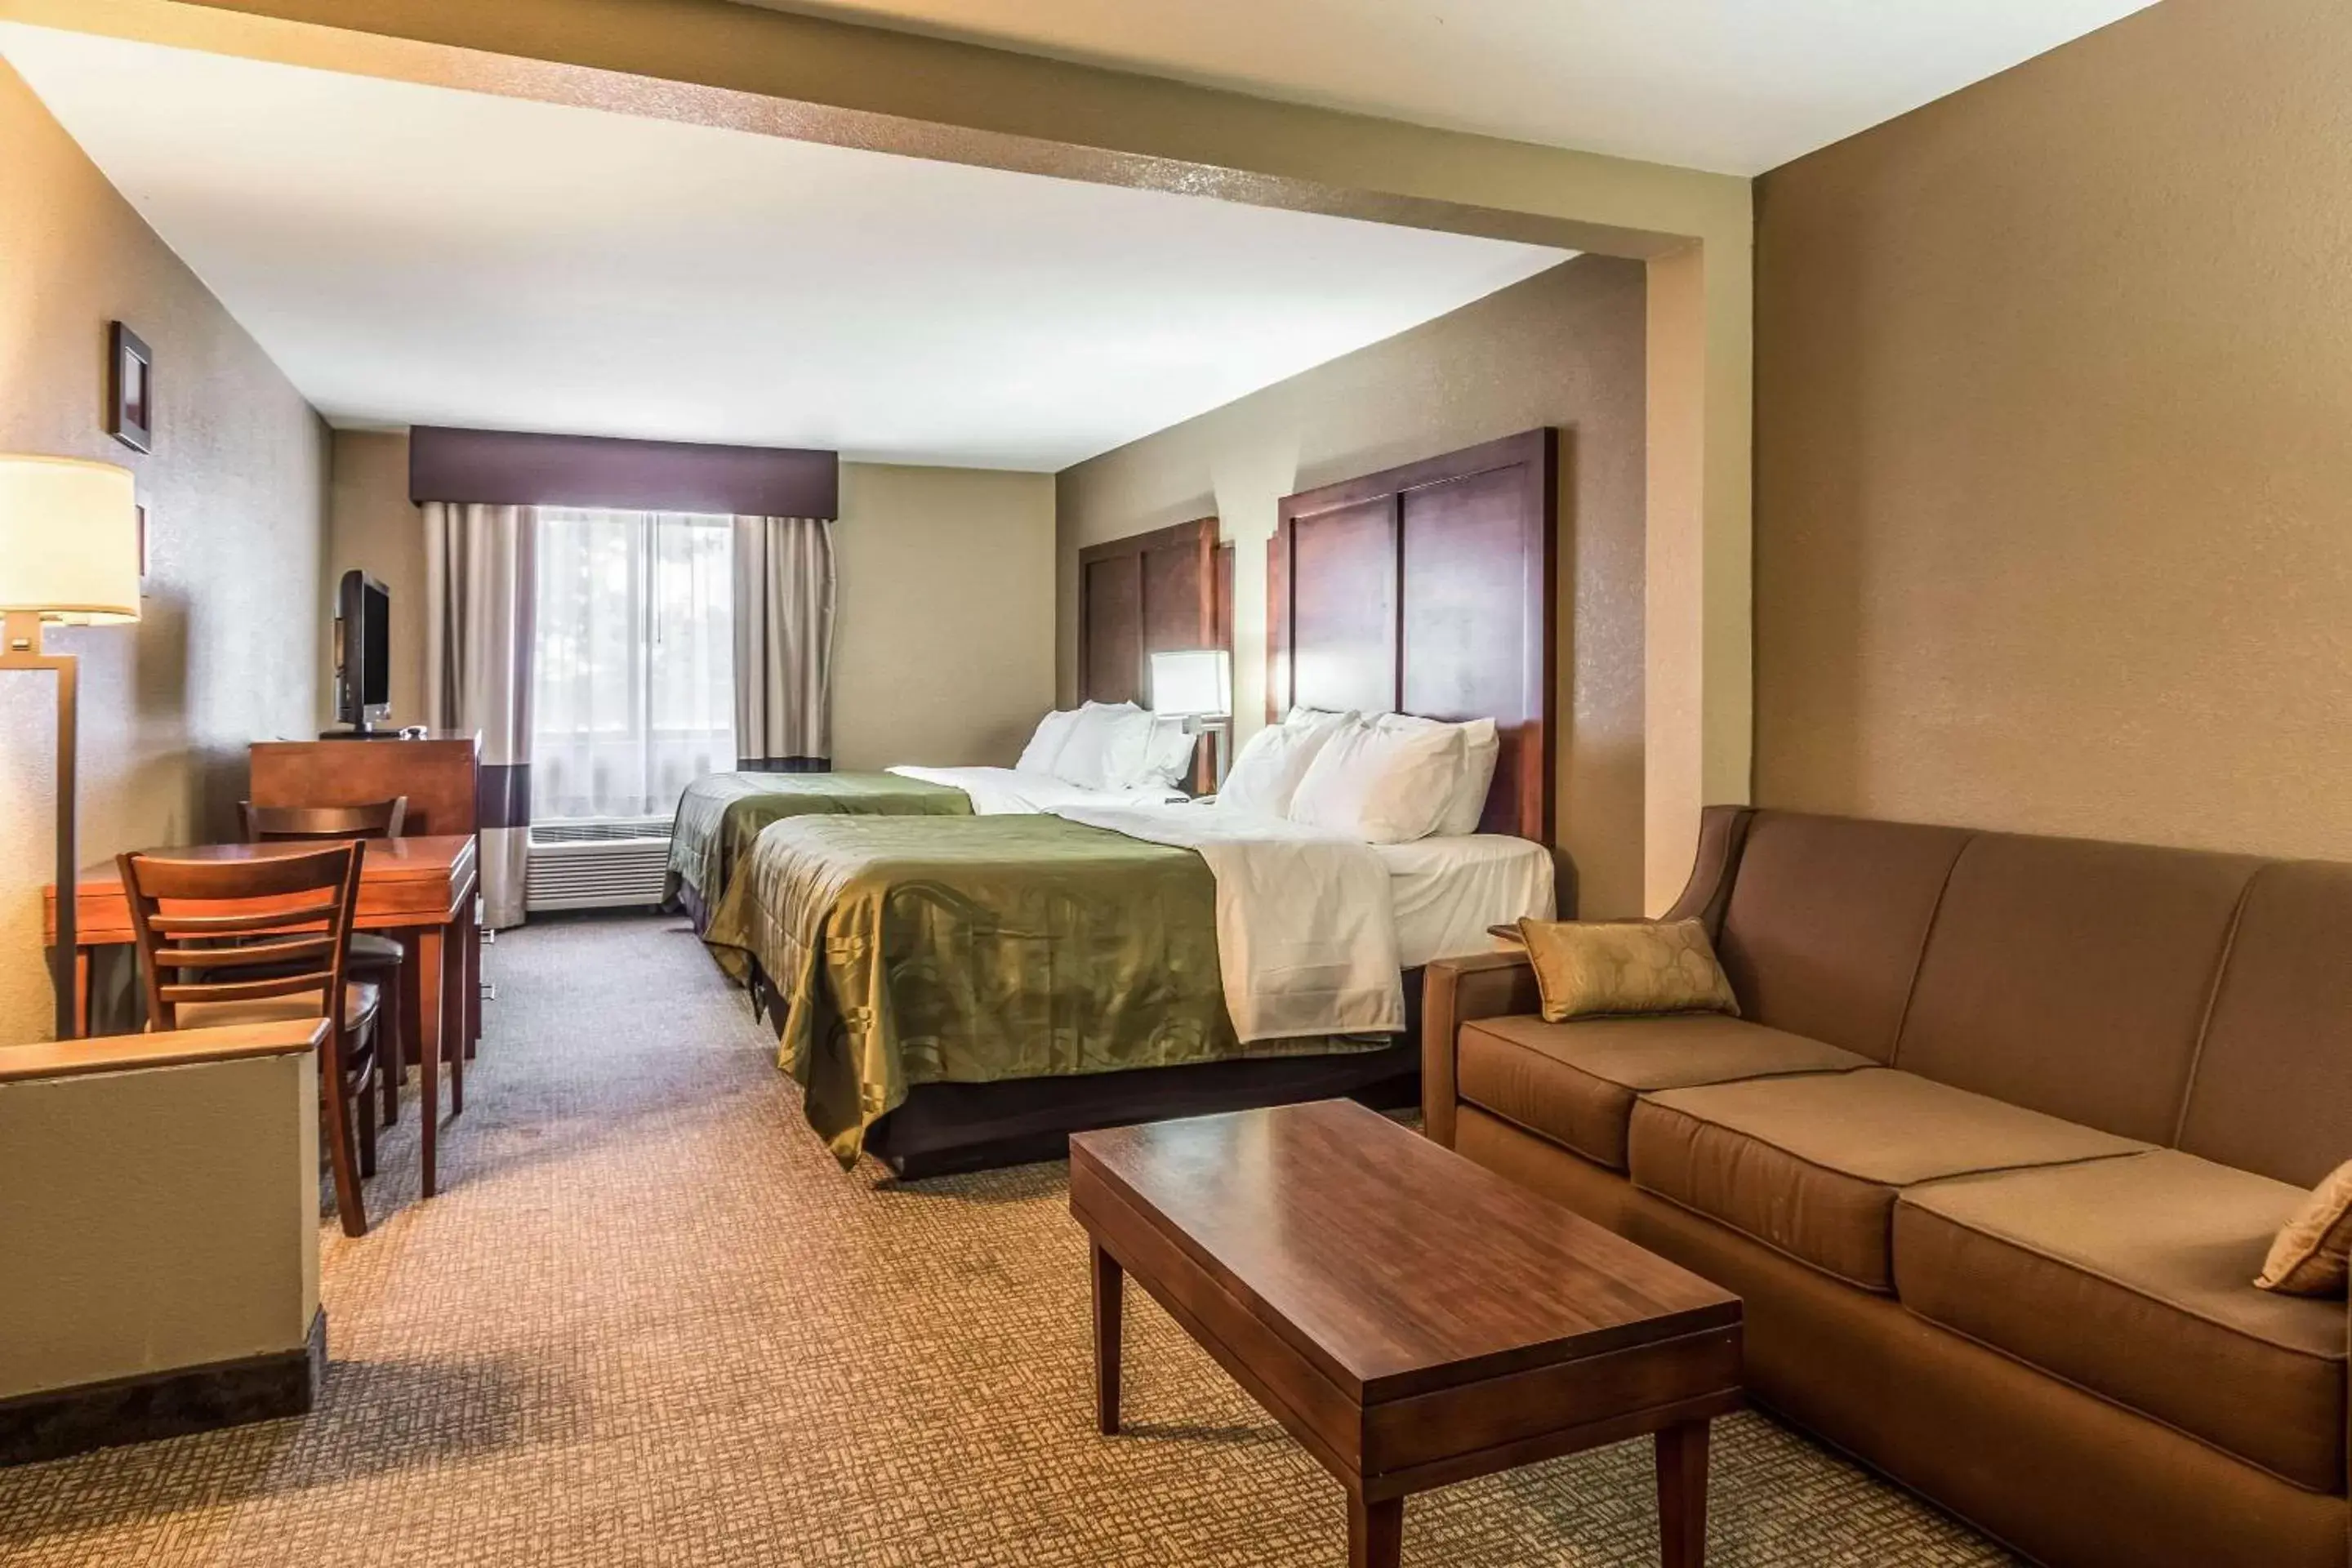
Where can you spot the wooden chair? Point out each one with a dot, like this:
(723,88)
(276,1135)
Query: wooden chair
(375,958)
(255,940)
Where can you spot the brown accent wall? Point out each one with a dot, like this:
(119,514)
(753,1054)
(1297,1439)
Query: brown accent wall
(230,646)
(1564,348)
(2053,524)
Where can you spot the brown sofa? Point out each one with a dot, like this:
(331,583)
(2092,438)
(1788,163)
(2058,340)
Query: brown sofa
(1993,1156)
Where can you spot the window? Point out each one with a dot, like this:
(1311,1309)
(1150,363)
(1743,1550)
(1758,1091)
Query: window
(632,687)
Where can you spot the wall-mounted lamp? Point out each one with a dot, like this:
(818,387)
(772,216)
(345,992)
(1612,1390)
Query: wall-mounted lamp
(1197,685)
(68,555)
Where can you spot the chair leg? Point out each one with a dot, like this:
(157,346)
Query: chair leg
(335,1110)
(389,1063)
(365,1102)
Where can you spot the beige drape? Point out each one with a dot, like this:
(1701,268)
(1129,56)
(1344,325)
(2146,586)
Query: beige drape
(783,643)
(480,597)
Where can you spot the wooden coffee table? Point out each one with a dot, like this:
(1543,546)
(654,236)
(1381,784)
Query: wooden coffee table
(1412,1318)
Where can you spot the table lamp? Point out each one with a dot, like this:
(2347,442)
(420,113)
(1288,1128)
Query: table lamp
(1197,684)
(68,553)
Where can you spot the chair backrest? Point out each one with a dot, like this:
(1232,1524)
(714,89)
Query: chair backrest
(289,823)
(281,920)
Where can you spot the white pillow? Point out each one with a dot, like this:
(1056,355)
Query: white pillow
(1266,773)
(1053,734)
(1481,745)
(1168,754)
(1310,717)
(1107,746)
(1383,786)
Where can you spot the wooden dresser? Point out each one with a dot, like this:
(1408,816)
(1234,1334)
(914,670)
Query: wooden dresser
(440,775)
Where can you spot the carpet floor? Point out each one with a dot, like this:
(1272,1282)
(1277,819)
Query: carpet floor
(648,1321)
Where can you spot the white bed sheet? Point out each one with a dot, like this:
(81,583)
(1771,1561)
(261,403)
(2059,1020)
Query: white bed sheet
(1305,941)
(1446,891)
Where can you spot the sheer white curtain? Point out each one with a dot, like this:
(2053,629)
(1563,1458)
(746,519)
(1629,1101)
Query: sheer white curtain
(634,686)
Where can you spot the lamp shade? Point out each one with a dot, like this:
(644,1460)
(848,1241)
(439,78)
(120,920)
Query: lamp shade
(68,539)
(1193,680)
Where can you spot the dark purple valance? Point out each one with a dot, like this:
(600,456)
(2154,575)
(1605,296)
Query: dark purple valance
(509,467)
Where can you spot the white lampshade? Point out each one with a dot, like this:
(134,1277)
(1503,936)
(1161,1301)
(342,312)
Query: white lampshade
(68,539)
(1194,681)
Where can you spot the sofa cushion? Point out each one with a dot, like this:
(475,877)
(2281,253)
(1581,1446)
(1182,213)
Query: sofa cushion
(2272,1091)
(1576,1083)
(2073,977)
(1827,919)
(1811,1165)
(2133,1278)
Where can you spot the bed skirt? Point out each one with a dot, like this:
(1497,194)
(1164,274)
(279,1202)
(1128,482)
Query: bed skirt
(945,1129)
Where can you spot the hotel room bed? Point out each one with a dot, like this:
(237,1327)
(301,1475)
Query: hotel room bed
(907,956)
(959,993)
(721,814)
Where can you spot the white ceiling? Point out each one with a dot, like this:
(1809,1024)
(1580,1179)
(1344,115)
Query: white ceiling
(1734,85)
(414,254)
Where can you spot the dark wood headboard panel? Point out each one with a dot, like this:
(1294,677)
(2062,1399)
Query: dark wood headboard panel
(1151,593)
(1428,589)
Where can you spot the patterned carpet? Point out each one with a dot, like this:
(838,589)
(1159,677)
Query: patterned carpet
(648,1322)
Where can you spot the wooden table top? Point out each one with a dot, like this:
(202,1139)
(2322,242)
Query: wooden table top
(1396,1266)
(403,881)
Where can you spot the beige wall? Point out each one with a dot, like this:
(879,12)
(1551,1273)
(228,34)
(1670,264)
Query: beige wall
(944,649)
(1565,348)
(372,526)
(945,584)
(227,652)
(157,1219)
(2055,466)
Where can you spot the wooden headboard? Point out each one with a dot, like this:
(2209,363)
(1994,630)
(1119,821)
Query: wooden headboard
(1151,593)
(1428,589)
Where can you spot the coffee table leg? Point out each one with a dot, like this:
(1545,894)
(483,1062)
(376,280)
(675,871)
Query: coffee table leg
(1375,1533)
(1682,1495)
(1109,1295)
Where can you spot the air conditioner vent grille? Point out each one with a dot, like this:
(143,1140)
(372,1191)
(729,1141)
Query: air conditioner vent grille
(595,873)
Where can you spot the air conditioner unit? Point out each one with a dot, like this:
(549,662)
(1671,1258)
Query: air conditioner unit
(603,865)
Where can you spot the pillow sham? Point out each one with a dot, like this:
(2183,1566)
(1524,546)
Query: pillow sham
(1387,786)
(1052,733)
(1168,754)
(2310,1255)
(1481,744)
(1264,776)
(1591,969)
(1313,718)
(1107,746)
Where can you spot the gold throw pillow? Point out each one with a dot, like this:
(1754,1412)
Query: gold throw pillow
(2309,1256)
(1586,969)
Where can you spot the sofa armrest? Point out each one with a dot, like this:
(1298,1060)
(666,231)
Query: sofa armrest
(1722,835)
(1454,991)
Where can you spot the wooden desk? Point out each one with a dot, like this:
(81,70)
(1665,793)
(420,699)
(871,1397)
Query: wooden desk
(1413,1319)
(421,890)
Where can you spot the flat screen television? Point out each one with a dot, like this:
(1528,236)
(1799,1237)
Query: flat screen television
(362,652)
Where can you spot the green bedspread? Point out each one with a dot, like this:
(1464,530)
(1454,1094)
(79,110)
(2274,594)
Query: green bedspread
(913,950)
(720,815)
